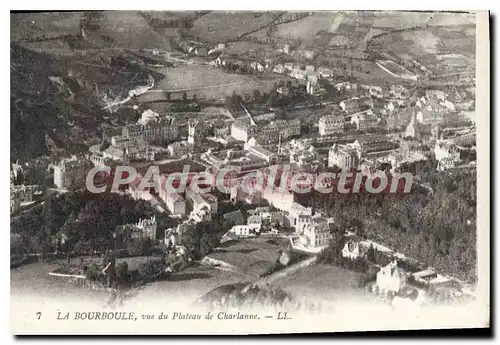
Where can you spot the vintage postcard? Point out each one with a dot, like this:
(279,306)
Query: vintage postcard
(244,172)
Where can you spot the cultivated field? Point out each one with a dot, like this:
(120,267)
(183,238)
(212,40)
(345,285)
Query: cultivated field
(53,24)
(129,29)
(219,27)
(308,27)
(425,45)
(206,82)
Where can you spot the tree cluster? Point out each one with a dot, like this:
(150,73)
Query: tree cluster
(437,228)
(78,221)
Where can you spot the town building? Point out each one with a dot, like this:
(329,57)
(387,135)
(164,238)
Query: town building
(444,149)
(367,166)
(255,223)
(202,200)
(404,158)
(243,129)
(16,171)
(371,145)
(365,120)
(244,230)
(144,228)
(261,152)
(391,278)
(200,214)
(147,227)
(151,128)
(447,163)
(179,148)
(283,47)
(247,195)
(344,157)
(279,68)
(355,104)
(266,214)
(71,172)
(277,130)
(22,194)
(291,219)
(283,90)
(352,250)
(303,156)
(236,217)
(158,129)
(312,85)
(314,230)
(175,203)
(331,124)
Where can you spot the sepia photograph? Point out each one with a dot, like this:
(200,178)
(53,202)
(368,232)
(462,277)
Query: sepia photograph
(248,172)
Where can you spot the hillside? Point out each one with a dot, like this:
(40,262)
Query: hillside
(58,101)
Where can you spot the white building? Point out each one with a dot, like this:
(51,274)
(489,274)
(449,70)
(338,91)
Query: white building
(314,230)
(255,223)
(391,278)
(443,149)
(331,124)
(175,203)
(70,172)
(148,227)
(243,230)
(352,250)
(295,211)
(265,213)
(343,156)
(243,129)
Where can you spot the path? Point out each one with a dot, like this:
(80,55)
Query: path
(198,88)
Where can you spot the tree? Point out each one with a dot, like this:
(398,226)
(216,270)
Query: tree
(122,274)
(93,272)
(270,30)
(206,245)
(370,254)
(256,95)
(228,102)
(236,99)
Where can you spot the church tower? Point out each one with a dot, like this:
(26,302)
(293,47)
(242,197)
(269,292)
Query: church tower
(192,131)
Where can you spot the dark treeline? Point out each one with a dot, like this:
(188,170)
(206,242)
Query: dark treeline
(437,228)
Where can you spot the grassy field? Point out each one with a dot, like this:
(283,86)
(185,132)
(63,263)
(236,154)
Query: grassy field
(51,24)
(252,257)
(34,280)
(324,281)
(206,82)
(219,26)
(425,44)
(129,29)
